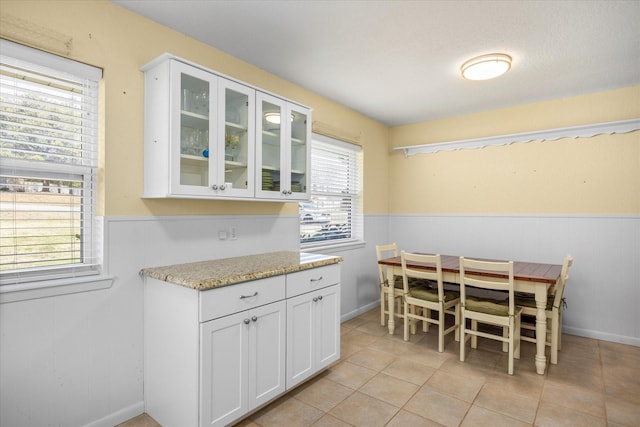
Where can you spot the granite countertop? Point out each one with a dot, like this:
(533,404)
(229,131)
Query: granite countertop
(205,275)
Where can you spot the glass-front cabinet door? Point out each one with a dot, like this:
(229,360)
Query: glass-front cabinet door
(270,141)
(300,153)
(281,149)
(236,106)
(193,127)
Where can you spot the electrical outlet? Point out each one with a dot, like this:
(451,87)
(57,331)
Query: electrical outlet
(232,232)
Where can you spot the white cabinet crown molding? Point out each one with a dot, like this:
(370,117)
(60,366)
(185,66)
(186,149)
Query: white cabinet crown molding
(583,131)
(170,56)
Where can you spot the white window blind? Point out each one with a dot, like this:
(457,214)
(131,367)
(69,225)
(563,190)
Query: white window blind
(48,164)
(334,212)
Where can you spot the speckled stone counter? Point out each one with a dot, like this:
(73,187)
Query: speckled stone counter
(205,275)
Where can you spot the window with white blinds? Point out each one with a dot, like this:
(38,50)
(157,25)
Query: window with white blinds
(334,212)
(48,165)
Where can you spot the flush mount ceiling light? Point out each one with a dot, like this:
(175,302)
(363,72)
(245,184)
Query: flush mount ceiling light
(486,67)
(274,118)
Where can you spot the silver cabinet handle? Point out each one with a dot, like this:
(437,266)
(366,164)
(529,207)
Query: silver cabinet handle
(254,318)
(317,280)
(246,321)
(222,187)
(214,186)
(315,299)
(320,298)
(255,294)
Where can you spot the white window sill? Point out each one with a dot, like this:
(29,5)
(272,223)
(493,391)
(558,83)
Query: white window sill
(50,288)
(333,247)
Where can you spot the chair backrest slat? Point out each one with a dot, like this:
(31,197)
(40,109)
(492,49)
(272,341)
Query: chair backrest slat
(490,275)
(432,270)
(562,281)
(382,252)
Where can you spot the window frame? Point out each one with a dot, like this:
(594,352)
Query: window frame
(18,284)
(355,212)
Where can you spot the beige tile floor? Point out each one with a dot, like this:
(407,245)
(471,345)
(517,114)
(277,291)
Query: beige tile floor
(383,381)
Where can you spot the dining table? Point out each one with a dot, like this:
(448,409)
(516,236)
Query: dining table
(529,277)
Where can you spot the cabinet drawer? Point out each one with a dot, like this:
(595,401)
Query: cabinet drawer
(231,299)
(309,280)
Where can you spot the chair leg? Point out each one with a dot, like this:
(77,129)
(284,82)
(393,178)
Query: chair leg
(474,338)
(382,304)
(412,309)
(511,333)
(462,339)
(517,341)
(457,317)
(441,329)
(505,334)
(406,322)
(555,339)
(560,330)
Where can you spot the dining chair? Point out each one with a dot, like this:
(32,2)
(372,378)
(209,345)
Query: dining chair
(495,276)
(427,298)
(555,305)
(388,284)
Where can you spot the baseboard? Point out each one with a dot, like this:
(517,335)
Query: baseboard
(357,312)
(587,333)
(119,416)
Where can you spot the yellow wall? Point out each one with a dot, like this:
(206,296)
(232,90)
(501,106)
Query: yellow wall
(110,37)
(590,176)
(599,175)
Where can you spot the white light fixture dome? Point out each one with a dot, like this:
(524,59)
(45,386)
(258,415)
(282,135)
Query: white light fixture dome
(486,67)
(274,118)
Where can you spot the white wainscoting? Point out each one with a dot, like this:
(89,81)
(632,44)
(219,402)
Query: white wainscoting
(603,292)
(77,359)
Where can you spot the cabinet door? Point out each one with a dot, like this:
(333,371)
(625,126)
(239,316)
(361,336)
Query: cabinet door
(192,128)
(224,357)
(328,326)
(267,353)
(313,333)
(298,152)
(271,182)
(300,338)
(235,140)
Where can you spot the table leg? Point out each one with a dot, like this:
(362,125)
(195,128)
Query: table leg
(541,329)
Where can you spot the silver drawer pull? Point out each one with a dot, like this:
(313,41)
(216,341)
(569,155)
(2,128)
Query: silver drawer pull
(317,280)
(255,294)
(254,318)
(246,321)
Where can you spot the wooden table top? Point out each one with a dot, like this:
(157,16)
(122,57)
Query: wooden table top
(524,271)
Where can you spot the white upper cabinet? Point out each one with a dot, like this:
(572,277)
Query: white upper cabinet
(206,136)
(282,149)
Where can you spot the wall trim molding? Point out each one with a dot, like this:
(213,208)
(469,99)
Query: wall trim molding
(603,336)
(523,216)
(583,131)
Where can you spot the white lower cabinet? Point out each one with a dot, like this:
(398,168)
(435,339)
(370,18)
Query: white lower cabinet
(212,357)
(242,363)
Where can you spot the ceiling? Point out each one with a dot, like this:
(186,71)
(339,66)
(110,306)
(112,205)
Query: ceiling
(398,62)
